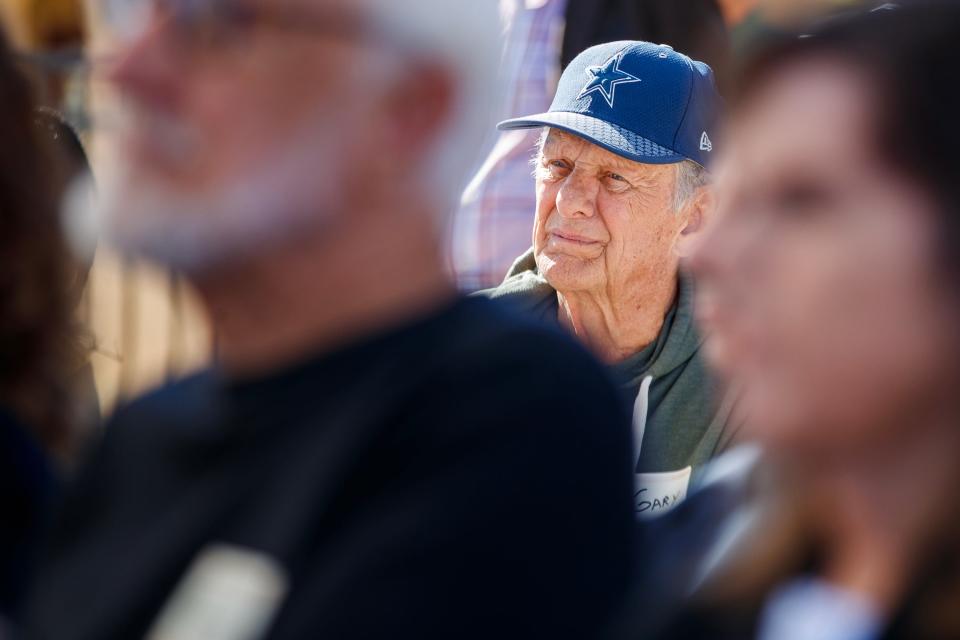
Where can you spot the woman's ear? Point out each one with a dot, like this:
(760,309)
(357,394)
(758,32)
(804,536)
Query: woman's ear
(696,213)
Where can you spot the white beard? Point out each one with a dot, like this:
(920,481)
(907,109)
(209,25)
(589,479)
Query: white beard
(287,192)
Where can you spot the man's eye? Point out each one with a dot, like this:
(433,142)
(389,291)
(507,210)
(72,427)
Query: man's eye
(553,169)
(616,182)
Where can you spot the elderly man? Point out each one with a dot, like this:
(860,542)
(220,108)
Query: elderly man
(621,194)
(492,224)
(368,458)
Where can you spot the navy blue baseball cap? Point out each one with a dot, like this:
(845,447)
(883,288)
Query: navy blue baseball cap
(643,101)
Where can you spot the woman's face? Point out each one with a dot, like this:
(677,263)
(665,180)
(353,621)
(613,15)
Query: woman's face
(816,280)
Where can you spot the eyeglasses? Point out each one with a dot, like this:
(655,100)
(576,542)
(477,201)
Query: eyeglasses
(205,24)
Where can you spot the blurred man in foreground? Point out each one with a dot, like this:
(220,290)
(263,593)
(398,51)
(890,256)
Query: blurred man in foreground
(622,191)
(831,284)
(371,456)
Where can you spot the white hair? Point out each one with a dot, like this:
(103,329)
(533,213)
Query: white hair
(467,38)
(690,178)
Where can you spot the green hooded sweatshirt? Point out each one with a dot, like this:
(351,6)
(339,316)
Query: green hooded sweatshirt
(681,415)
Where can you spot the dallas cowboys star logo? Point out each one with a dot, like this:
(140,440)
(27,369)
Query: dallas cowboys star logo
(606,77)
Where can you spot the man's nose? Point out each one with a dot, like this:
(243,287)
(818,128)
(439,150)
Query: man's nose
(577,197)
(147,66)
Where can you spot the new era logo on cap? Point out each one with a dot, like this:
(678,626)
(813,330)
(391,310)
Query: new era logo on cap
(642,101)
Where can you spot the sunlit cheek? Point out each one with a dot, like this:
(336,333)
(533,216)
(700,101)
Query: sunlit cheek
(633,242)
(795,358)
(546,205)
(225,149)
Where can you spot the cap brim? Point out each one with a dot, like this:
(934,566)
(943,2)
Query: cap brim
(611,137)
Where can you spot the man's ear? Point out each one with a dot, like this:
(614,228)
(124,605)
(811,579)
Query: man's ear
(695,213)
(419,107)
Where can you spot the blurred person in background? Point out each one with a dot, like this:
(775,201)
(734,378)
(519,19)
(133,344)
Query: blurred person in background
(492,226)
(35,336)
(371,456)
(830,282)
(622,192)
(76,185)
(65,142)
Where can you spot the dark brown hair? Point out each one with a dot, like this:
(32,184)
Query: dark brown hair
(909,53)
(35,314)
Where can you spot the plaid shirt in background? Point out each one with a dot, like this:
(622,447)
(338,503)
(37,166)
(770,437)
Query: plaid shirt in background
(495,221)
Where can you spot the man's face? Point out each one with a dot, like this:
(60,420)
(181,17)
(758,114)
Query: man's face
(815,282)
(604,224)
(235,123)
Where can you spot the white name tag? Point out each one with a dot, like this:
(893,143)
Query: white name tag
(228,593)
(657,493)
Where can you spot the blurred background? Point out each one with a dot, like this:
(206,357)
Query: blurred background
(144,324)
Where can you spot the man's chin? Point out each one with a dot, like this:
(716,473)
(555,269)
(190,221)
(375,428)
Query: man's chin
(566,273)
(288,194)
(168,236)
(193,233)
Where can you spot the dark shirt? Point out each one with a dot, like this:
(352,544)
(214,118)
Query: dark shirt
(28,488)
(464,476)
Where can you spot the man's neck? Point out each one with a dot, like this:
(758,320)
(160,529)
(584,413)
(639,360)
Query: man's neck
(336,286)
(617,327)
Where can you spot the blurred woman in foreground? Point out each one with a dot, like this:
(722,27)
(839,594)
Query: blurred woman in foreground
(35,335)
(830,284)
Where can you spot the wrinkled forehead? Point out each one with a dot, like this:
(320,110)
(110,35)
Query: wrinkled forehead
(354,6)
(299,4)
(130,19)
(355,9)
(560,143)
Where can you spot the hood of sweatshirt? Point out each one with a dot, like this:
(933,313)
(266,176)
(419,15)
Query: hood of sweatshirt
(680,411)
